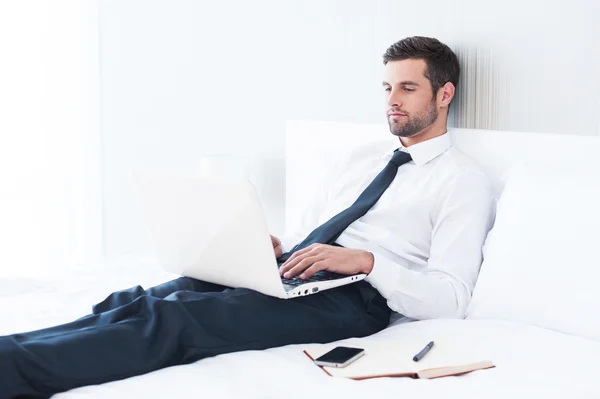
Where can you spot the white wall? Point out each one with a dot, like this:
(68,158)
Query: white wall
(184,78)
(50,172)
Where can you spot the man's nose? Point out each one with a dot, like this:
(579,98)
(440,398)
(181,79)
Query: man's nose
(394,100)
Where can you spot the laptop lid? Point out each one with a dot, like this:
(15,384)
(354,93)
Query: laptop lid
(211,229)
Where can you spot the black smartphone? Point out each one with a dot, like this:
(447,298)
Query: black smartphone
(340,356)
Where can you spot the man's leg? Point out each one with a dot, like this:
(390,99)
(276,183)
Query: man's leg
(124,297)
(150,333)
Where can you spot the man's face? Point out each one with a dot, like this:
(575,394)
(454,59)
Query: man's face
(410,103)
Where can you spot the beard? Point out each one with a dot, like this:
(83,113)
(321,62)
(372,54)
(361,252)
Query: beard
(414,124)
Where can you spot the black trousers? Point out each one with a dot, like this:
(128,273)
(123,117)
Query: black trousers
(136,331)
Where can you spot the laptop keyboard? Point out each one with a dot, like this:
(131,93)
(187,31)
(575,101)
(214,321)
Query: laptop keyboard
(318,276)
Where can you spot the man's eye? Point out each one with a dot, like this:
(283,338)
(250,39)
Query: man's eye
(408,89)
(387,89)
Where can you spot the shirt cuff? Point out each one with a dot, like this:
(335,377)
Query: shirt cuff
(384,276)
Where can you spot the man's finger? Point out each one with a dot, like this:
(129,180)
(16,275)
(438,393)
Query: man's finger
(293,260)
(290,265)
(299,253)
(298,257)
(287,265)
(300,267)
(275,241)
(316,267)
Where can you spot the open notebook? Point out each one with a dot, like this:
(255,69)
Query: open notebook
(394,359)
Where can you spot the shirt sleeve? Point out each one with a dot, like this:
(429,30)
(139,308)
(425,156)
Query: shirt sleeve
(443,289)
(309,217)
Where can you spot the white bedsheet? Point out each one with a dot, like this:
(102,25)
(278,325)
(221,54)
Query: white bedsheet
(531,362)
(30,303)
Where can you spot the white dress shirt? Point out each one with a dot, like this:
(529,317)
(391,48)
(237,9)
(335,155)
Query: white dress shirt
(427,230)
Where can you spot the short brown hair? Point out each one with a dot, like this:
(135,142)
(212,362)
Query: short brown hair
(442,63)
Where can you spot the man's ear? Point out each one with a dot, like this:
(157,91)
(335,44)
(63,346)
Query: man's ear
(446,94)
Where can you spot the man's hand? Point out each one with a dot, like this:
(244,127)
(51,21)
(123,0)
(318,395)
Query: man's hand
(276,246)
(317,257)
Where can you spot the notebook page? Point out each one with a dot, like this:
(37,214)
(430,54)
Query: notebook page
(395,357)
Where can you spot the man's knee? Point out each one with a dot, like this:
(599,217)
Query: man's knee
(177,296)
(142,307)
(117,299)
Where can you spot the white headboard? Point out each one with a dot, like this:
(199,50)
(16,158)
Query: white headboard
(312,146)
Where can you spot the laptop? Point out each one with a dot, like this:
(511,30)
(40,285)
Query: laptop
(214,229)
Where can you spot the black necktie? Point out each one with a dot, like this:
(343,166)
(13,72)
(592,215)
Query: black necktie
(329,231)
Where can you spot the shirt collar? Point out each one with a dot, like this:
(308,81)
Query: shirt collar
(424,151)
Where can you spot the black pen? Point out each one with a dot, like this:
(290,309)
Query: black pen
(420,355)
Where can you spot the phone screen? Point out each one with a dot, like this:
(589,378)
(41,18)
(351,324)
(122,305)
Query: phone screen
(340,354)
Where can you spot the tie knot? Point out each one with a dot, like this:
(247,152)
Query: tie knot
(400,158)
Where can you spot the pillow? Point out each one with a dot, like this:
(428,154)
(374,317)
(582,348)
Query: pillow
(542,257)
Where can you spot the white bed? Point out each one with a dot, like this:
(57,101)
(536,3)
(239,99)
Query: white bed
(531,361)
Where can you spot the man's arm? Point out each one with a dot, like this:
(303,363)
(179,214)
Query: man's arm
(444,288)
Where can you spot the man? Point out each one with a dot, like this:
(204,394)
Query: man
(426,210)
